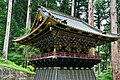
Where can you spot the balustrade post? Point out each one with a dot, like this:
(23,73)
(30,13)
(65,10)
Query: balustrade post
(54,51)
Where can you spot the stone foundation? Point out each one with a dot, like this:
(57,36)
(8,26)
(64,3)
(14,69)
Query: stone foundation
(10,74)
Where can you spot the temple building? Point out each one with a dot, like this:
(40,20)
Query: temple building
(64,43)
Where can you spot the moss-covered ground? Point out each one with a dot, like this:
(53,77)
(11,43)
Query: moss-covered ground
(12,65)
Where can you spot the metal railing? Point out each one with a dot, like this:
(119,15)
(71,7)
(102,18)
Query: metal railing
(66,54)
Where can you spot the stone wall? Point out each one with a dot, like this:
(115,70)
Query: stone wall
(9,74)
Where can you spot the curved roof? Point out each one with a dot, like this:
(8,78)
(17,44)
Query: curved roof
(66,21)
(75,23)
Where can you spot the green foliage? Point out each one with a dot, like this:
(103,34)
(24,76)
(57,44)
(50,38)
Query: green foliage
(17,58)
(18,52)
(101,12)
(105,75)
(53,6)
(3,14)
(17,23)
(118,13)
(19,12)
(30,68)
(36,3)
(64,7)
(41,2)
(12,65)
(81,9)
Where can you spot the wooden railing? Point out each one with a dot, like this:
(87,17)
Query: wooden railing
(65,54)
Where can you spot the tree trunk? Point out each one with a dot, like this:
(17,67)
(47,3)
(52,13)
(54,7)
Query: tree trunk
(119,51)
(90,7)
(15,1)
(114,45)
(28,19)
(91,12)
(106,62)
(46,3)
(6,40)
(99,70)
(28,24)
(73,8)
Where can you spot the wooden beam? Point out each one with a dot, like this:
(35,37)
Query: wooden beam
(114,45)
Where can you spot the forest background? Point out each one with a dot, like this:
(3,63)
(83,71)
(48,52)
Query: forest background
(20,54)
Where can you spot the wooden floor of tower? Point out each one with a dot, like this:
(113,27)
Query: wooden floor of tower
(64,74)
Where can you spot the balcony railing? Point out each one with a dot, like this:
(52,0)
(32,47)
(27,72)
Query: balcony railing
(65,54)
